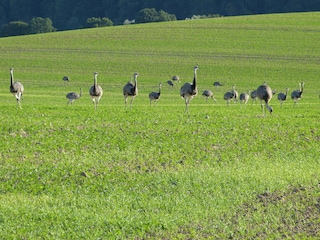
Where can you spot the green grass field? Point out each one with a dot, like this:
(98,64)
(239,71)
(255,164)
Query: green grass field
(156,172)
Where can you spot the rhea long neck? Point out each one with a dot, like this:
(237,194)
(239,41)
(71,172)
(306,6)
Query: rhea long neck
(195,78)
(11,76)
(301,88)
(95,81)
(135,81)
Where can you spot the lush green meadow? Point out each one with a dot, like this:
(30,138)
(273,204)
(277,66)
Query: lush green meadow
(70,172)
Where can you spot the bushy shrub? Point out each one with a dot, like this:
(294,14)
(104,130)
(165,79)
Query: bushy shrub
(99,22)
(152,15)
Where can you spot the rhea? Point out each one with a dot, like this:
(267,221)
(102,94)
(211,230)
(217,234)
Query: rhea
(253,96)
(283,96)
(297,94)
(264,93)
(66,79)
(154,96)
(217,84)
(72,96)
(16,88)
(244,97)
(190,90)
(233,94)
(95,91)
(208,94)
(131,90)
(170,83)
(175,78)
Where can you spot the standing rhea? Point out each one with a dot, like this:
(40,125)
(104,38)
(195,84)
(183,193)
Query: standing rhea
(72,96)
(131,90)
(264,93)
(16,88)
(207,94)
(244,97)
(189,90)
(154,96)
(233,94)
(283,96)
(66,79)
(95,91)
(297,94)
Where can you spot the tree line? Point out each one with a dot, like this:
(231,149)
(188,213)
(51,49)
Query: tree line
(75,14)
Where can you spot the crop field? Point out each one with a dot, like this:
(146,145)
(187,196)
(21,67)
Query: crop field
(157,171)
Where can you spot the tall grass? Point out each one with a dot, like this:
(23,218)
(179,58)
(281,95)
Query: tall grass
(155,171)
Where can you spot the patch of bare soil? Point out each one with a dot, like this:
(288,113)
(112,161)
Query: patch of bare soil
(293,213)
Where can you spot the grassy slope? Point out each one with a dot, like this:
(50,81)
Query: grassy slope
(154,171)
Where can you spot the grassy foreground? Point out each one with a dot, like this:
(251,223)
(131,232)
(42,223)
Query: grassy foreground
(155,171)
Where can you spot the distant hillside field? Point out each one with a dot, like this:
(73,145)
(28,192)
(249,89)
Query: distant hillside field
(219,171)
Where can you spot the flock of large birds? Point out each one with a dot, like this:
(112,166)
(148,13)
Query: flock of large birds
(188,91)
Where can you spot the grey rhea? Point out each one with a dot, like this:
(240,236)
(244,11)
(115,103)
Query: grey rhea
(208,94)
(244,97)
(253,96)
(217,84)
(283,96)
(154,96)
(175,78)
(66,79)
(131,90)
(72,96)
(190,90)
(233,94)
(264,93)
(95,91)
(170,83)
(297,94)
(16,88)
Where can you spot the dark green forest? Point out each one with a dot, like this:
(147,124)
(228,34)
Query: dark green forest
(74,14)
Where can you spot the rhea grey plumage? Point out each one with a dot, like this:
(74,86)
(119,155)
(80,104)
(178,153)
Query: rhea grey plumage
(170,83)
(217,84)
(190,90)
(297,94)
(244,97)
(16,88)
(72,96)
(283,96)
(66,79)
(95,91)
(154,96)
(233,94)
(131,89)
(253,96)
(264,93)
(208,94)
(175,78)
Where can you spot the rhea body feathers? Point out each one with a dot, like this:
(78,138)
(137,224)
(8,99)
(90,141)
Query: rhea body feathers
(154,96)
(190,90)
(244,97)
(264,93)
(131,89)
(208,94)
(72,96)
(95,91)
(297,94)
(16,88)
(283,96)
(233,94)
